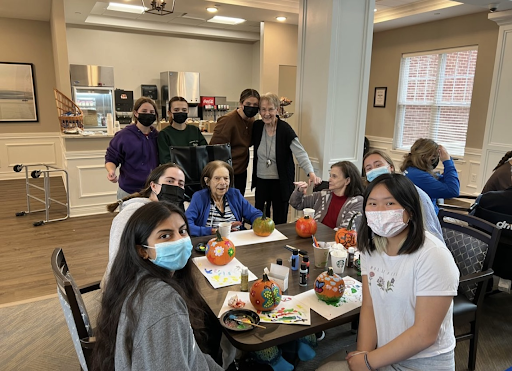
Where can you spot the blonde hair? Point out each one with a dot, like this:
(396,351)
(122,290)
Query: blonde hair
(271,98)
(421,155)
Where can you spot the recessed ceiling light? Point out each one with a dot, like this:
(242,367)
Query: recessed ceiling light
(127,8)
(375,9)
(212,9)
(281,19)
(226,20)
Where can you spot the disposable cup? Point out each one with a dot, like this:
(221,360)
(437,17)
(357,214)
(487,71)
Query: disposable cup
(225,229)
(338,260)
(309,212)
(321,255)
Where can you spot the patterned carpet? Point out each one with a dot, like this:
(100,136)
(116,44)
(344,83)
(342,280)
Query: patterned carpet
(34,337)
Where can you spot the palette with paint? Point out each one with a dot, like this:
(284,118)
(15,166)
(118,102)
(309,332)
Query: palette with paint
(232,319)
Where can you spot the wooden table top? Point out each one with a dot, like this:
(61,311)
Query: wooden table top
(258,256)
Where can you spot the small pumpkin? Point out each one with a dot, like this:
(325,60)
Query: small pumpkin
(329,287)
(265,294)
(347,236)
(306,226)
(263,226)
(220,250)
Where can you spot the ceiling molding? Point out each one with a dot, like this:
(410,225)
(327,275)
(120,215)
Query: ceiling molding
(413,9)
(501,18)
(288,6)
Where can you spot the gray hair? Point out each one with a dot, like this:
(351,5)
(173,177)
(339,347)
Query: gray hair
(272,98)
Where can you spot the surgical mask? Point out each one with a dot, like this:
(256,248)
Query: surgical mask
(173,194)
(172,255)
(146,119)
(387,223)
(374,173)
(250,111)
(179,117)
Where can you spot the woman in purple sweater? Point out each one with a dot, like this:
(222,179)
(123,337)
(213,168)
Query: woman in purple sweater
(134,148)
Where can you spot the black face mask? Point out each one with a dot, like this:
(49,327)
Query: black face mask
(435,162)
(250,111)
(173,194)
(180,117)
(146,119)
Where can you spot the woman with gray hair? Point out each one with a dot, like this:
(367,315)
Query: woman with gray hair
(275,144)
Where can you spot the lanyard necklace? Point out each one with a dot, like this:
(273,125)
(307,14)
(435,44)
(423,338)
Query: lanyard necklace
(269,161)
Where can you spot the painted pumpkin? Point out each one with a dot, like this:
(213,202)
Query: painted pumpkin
(263,226)
(347,236)
(265,294)
(329,287)
(220,250)
(306,226)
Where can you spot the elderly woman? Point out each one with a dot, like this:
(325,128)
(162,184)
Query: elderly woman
(273,169)
(336,206)
(218,202)
(419,165)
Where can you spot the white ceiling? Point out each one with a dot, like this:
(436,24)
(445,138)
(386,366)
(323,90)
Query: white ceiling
(190,16)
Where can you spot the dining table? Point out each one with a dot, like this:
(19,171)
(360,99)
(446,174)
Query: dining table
(260,255)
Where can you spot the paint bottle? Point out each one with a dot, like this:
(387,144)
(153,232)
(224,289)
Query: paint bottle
(350,259)
(279,261)
(244,284)
(305,260)
(303,278)
(295,260)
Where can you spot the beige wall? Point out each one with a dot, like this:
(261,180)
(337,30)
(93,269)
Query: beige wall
(278,48)
(225,67)
(31,42)
(388,47)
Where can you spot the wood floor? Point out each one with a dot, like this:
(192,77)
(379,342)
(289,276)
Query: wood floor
(25,250)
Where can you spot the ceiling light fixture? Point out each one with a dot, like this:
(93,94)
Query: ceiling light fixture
(226,20)
(127,8)
(158,7)
(281,19)
(212,10)
(375,9)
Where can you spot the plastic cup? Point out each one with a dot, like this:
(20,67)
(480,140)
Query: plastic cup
(309,212)
(338,260)
(321,254)
(225,229)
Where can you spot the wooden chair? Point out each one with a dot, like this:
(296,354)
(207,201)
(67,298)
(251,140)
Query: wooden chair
(472,242)
(70,297)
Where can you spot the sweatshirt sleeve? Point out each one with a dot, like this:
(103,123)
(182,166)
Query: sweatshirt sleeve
(450,179)
(115,152)
(249,212)
(299,201)
(193,214)
(163,147)
(221,133)
(301,155)
(436,188)
(201,141)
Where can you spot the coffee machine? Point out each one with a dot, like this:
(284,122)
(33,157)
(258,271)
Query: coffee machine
(124,106)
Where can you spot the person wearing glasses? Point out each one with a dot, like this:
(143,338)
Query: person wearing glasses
(275,144)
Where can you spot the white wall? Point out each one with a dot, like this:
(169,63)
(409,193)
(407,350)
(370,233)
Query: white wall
(226,68)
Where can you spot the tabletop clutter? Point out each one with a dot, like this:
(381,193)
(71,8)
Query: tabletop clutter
(263,301)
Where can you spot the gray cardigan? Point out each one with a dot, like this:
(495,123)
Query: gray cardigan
(320,202)
(162,336)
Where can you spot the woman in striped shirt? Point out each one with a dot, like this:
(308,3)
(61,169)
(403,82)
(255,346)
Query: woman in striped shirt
(218,202)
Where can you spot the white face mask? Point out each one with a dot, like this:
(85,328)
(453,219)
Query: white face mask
(387,223)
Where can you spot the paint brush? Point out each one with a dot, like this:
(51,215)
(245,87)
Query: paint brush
(291,248)
(245,321)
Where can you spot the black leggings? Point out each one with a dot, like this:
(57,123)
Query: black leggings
(269,191)
(241,182)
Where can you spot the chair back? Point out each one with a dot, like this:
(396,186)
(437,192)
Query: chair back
(73,306)
(193,159)
(472,242)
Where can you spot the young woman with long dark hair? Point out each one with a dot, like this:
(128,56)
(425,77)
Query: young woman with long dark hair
(151,315)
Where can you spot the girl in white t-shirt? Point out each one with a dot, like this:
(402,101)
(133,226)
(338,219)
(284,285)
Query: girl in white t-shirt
(409,281)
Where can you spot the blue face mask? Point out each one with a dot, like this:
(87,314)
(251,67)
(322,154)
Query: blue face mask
(374,173)
(172,255)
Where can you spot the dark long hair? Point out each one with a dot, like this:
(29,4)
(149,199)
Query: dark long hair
(405,193)
(146,191)
(139,102)
(349,170)
(131,276)
(504,159)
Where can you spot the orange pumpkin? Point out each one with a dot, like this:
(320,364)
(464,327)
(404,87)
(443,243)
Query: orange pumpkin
(263,226)
(329,287)
(347,236)
(305,226)
(265,294)
(220,250)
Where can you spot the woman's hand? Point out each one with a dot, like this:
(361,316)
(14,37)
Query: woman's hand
(235,225)
(111,176)
(356,361)
(443,154)
(301,186)
(314,179)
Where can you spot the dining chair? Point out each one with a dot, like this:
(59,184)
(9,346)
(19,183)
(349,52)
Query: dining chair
(472,242)
(73,306)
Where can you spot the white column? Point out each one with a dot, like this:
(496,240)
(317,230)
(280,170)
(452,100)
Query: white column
(498,128)
(335,43)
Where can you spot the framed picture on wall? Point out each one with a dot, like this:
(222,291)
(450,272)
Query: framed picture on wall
(17,93)
(379,98)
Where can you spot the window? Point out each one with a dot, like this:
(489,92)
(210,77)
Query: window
(434,98)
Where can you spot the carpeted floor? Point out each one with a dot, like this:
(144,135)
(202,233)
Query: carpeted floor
(34,337)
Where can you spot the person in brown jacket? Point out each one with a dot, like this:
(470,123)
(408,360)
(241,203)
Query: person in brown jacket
(236,128)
